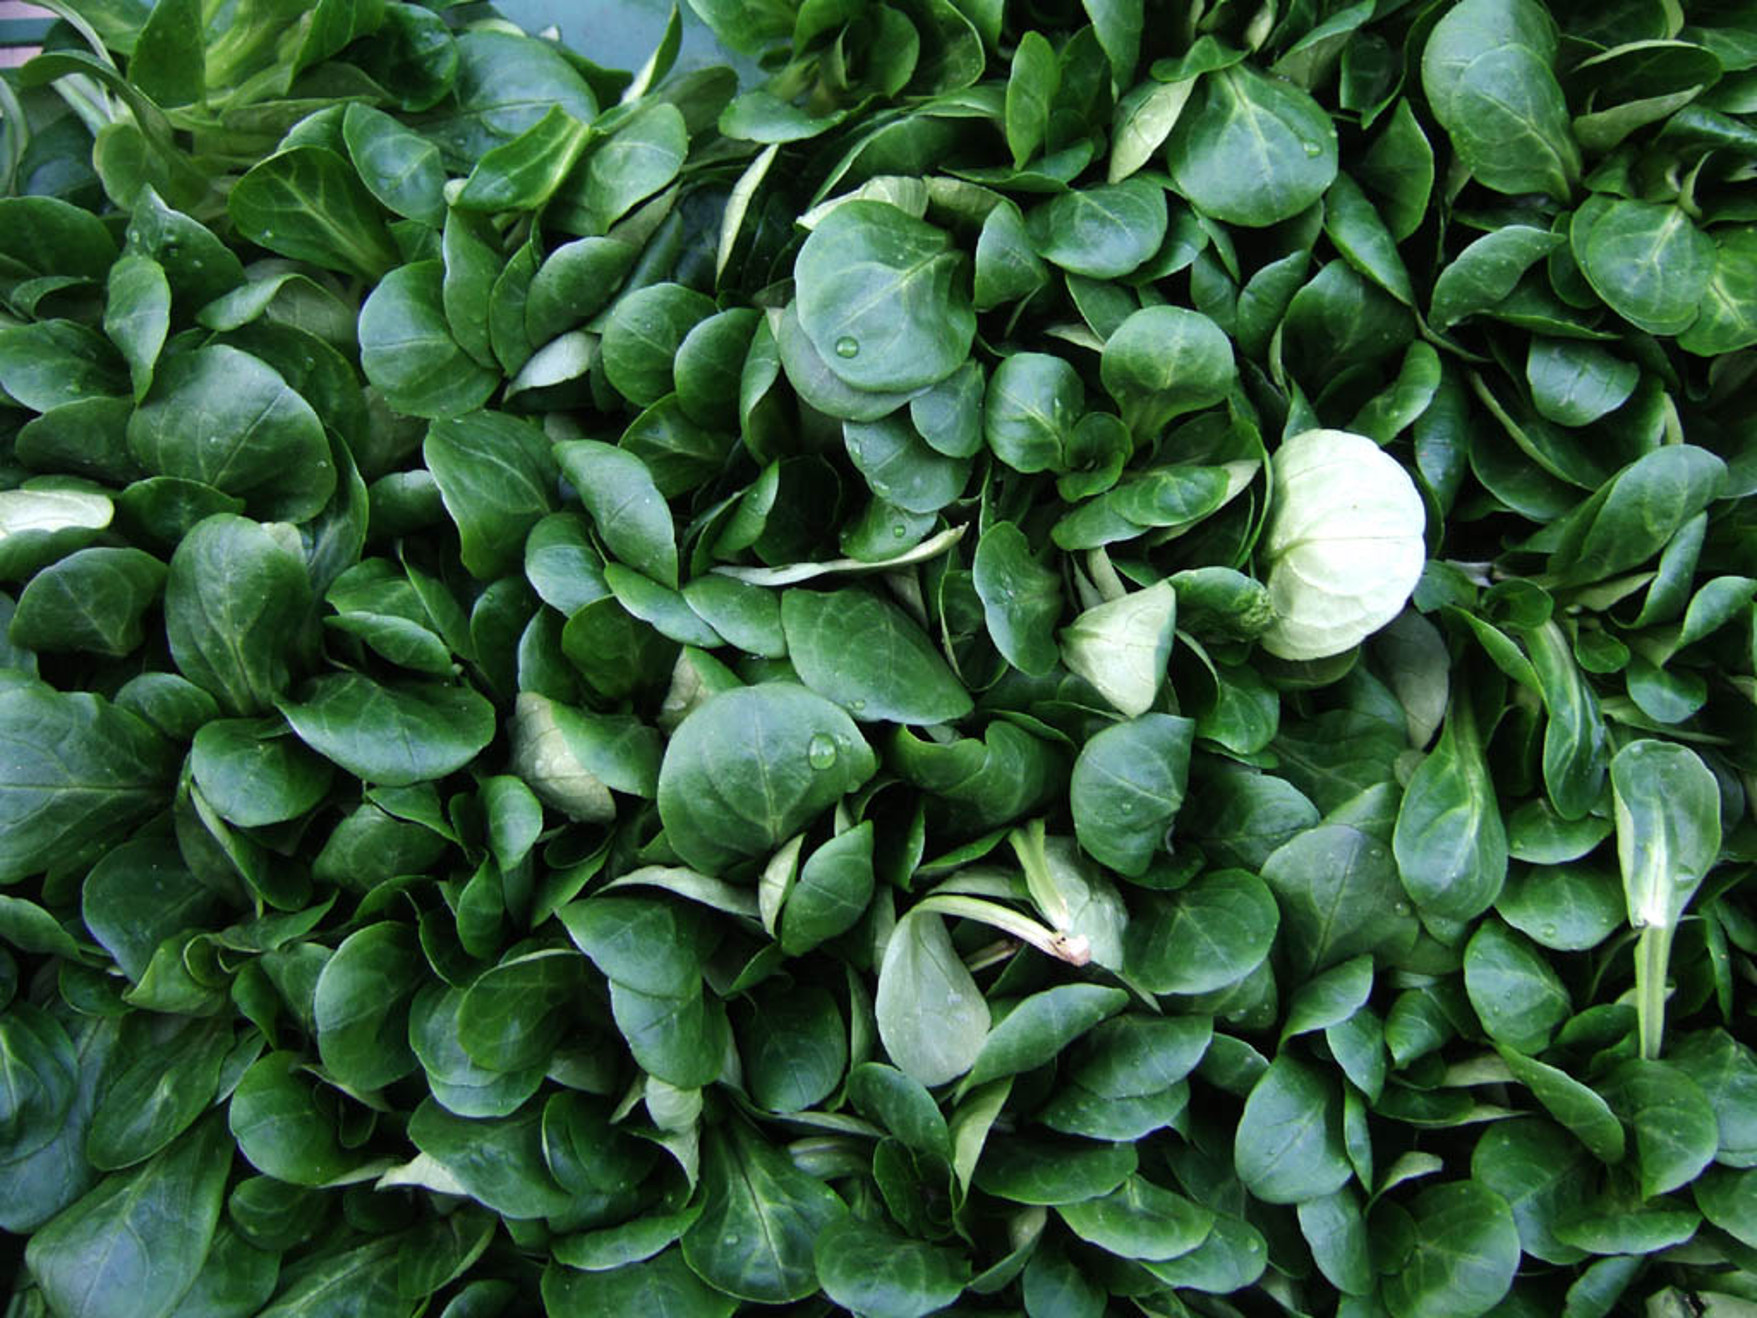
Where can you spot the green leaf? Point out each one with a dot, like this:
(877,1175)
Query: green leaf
(1329,999)
(1139,1220)
(407,348)
(1031,87)
(656,1285)
(1574,384)
(1518,1161)
(866,655)
(1163,362)
(228,419)
(1676,1133)
(253,774)
(749,768)
(880,300)
(459,1085)
(901,467)
(524,173)
(136,1243)
(1726,317)
(361,1007)
(1729,1200)
(901,1104)
(931,1015)
(137,315)
(1622,248)
(1572,1103)
(870,1270)
(1229,915)
(513,1016)
(496,474)
(678,1040)
(93,600)
(1486,271)
(1007,268)
(1040,1027)
(1102,232)
(40,1080)
(1354,225)
(1726,1072)
(499,1162)
(1515,993)
(1668,827)
(642,336)
(139,894)
(1127,787)
(644,155)
(1289,1147)
(1487,71)
(646,944)
(307,204)
(1335,1229)
(77,775)
(1034,400)
(52,362)
(1122,646)
(1029,1171)
(755,1237)
(400,167)
(1574,759)
(832,891)
(159,1095)
(573,760)
(392,736)
(1667,810)
(1463,1254)
(1253,150)
(1339,896)
(1564,907)
(1021,599)
(794,1048)
(1232,1258)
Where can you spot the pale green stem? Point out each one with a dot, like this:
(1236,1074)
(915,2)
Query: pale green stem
(1074,950)
(1653,951)
(1027,845)
(87,101)
(1104,576)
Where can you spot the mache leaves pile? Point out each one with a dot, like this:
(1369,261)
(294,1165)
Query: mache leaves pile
(1043,658)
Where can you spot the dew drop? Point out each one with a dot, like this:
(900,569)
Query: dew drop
(821,752)
(1402,908)
(1548,931)
(899,531)
(857,704)
(847,347)
(1313,149)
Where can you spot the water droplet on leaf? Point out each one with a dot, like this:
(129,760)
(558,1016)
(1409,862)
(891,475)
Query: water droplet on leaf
(821,752)
(1313,149)
(847,347)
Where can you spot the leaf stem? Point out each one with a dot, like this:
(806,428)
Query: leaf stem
(1074,949)
(1653,951)
(1027,845)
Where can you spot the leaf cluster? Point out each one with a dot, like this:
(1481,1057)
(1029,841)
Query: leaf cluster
(1051,659)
